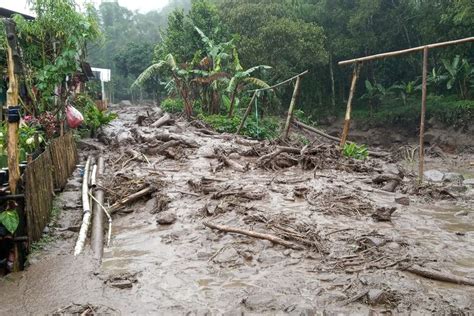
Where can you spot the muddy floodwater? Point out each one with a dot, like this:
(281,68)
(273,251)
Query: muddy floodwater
(345,254)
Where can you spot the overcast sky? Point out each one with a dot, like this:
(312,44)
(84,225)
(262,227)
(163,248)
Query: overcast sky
(140,5)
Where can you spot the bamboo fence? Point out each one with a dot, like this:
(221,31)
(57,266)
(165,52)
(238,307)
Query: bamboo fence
(47,172)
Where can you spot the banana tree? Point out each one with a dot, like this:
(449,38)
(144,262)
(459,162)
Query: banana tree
(405,90)
(181,78)
(213,70)
(242,77)
(374,94)
(460,73)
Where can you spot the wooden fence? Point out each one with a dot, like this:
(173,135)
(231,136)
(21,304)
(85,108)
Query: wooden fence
(47,172)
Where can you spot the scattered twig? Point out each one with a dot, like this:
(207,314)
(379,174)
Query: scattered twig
(271,238)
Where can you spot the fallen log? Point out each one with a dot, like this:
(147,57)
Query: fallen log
(269,157)
(131,198)
(253,234)
(164,120)
(376,154)
(439,276)
(232,164)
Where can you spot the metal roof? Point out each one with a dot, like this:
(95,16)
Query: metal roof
(7,13)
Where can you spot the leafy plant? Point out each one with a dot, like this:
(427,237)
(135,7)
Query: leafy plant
(94,118)
(460,73)
(10,219)
(352,150)
(172,105)
(374,94)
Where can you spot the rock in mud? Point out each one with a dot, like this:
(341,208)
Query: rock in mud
(166,218)
(375,297)
(384,213)
(453,177)
(124,138)
(234,156)
(434,175)
(403,200)
(468,182)
(125,103)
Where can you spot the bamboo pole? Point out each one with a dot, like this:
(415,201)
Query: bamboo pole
(97,237)
(292,108)
(246,114)
(86,209)
(282,83)
(347,119)
(423,115)
(406,51)
(12,102)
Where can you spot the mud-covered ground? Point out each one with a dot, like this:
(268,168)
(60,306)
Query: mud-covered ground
(349,244)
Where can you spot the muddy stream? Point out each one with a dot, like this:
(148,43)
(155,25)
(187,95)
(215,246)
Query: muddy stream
(346,261)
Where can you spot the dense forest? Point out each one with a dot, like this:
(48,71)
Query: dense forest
(292,36)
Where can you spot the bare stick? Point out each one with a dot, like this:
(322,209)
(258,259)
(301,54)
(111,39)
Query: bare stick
(86,209)
(250,233)
(232,164)
(246,114)
(281,83)
(405,51)
(296,92)
(423,114)
(131,198)
(439,276)
(269,157)
(317,131)
(347,120)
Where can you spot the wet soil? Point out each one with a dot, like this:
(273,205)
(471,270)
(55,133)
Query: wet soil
(346,260)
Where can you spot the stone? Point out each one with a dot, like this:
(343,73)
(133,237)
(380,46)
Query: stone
(403,200)
(124,138)
(125,103)
(392,169)
(462,213)
(166,218)
(234,156)
(375,296)
(434,175)
(468,182)
(384,213)
(453,177)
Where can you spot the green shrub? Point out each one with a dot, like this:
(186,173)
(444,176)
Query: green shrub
(172,105)
(267,128)
(94,118)
(352,150)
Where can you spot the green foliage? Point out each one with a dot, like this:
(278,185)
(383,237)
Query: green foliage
(172,105)
(94,118)
(10,219)
(446,110)
(52,42)
(352,150)
(264,129)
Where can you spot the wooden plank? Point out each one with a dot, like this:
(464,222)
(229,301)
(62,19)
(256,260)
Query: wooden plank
(405,51)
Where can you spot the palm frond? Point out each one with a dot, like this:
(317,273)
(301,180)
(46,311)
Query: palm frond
(147,74)
(258,82)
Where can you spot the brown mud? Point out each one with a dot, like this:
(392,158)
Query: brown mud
(348,244)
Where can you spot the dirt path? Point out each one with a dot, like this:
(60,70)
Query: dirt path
(350,263)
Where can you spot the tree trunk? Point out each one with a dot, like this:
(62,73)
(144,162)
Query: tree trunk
(333,86)
(232,102)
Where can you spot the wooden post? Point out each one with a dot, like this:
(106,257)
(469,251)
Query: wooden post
(12,102)
(423,114)
(347,120)
(247,112)
(292,108)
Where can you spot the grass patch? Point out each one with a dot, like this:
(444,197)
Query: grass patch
(266,128)
(447,110)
